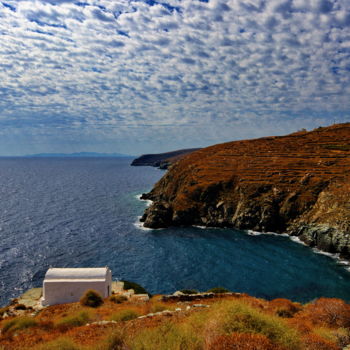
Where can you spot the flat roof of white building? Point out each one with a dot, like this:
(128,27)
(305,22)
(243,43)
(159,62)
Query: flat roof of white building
(88,273)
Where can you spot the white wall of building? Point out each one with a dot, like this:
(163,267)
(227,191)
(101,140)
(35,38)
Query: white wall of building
(62,286)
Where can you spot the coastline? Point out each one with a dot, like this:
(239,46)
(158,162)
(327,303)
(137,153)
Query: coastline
(335,256)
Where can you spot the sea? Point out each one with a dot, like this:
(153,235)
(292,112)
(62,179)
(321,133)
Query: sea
(84,212)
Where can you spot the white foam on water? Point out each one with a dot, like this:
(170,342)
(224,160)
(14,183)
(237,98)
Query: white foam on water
(257,233)
(147,201)
(139,225)
(332,255)
(254,233)
(297,240)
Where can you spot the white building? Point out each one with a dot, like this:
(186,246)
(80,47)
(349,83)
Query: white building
(68,285)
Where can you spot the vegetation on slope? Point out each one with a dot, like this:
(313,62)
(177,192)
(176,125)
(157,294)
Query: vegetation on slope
(222,322)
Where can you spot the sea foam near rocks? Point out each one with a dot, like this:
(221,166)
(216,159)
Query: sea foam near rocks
(147,201)
(138,224)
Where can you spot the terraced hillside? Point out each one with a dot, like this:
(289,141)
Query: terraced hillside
(299,183)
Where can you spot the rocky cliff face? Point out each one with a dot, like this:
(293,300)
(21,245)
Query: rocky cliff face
(299,183)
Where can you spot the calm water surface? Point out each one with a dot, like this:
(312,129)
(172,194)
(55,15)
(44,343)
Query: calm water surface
(82,212)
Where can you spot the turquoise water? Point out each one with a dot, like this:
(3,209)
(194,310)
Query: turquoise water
(83,212)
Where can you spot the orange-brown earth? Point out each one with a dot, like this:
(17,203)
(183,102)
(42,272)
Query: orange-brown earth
(227,322)
(299,183)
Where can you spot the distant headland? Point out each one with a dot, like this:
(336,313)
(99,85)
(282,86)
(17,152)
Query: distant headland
(76,155)
(299,184)
(162,160)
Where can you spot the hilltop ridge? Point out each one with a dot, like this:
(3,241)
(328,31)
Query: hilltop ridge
(298,183)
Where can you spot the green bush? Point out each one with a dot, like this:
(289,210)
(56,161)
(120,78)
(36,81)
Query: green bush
(167,337)
(91,298)
(136,287)
(158,308)
(125,315)
(240,317)
(77,320)
(118,299)
(189,291)
(218,290)
(62,343)
(18,323)
(114,341)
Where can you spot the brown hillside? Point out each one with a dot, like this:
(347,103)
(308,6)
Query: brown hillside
(219,322)
(298,183)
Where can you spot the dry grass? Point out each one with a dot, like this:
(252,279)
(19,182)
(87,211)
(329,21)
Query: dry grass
(243,323)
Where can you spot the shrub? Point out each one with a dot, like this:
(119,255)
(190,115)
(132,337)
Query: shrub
(218,290)
(71,321)
(189,291)
(167,337)
(118,299)
(91,298)
(125,315)
(136,287)
(47,325)
(239,317)
(242,341)
(284,307)
(18,323)
(20,307)
(114,341)
(315,342)
(329,312)
(62,343)
(157,308)
(340,336)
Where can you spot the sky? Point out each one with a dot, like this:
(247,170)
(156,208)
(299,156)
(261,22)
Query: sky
(145,76)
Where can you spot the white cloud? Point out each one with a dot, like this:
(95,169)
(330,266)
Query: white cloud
(117,67)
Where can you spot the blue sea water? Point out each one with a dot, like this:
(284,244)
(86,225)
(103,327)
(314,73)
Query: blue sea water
(82,212)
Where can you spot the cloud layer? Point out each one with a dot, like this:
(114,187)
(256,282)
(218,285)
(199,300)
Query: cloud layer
(141,76)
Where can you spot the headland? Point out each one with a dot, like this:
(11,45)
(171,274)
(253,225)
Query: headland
(299,184)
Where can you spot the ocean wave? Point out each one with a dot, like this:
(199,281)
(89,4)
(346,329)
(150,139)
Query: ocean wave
(258,233)
(147,201)
(332,255)
(139,225)
(297,240)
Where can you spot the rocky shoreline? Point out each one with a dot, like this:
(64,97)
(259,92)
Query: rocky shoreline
(299,184)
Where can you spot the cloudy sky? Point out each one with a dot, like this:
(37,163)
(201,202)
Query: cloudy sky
(145,76)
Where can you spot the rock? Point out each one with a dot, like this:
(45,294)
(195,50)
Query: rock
(200,305)
(177,293)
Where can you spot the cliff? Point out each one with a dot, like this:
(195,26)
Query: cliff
(299,183)
(162,160)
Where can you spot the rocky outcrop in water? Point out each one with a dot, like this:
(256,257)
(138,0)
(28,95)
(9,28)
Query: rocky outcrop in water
(299,183)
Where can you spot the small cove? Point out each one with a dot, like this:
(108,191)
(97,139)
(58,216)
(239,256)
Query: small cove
(82,212)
